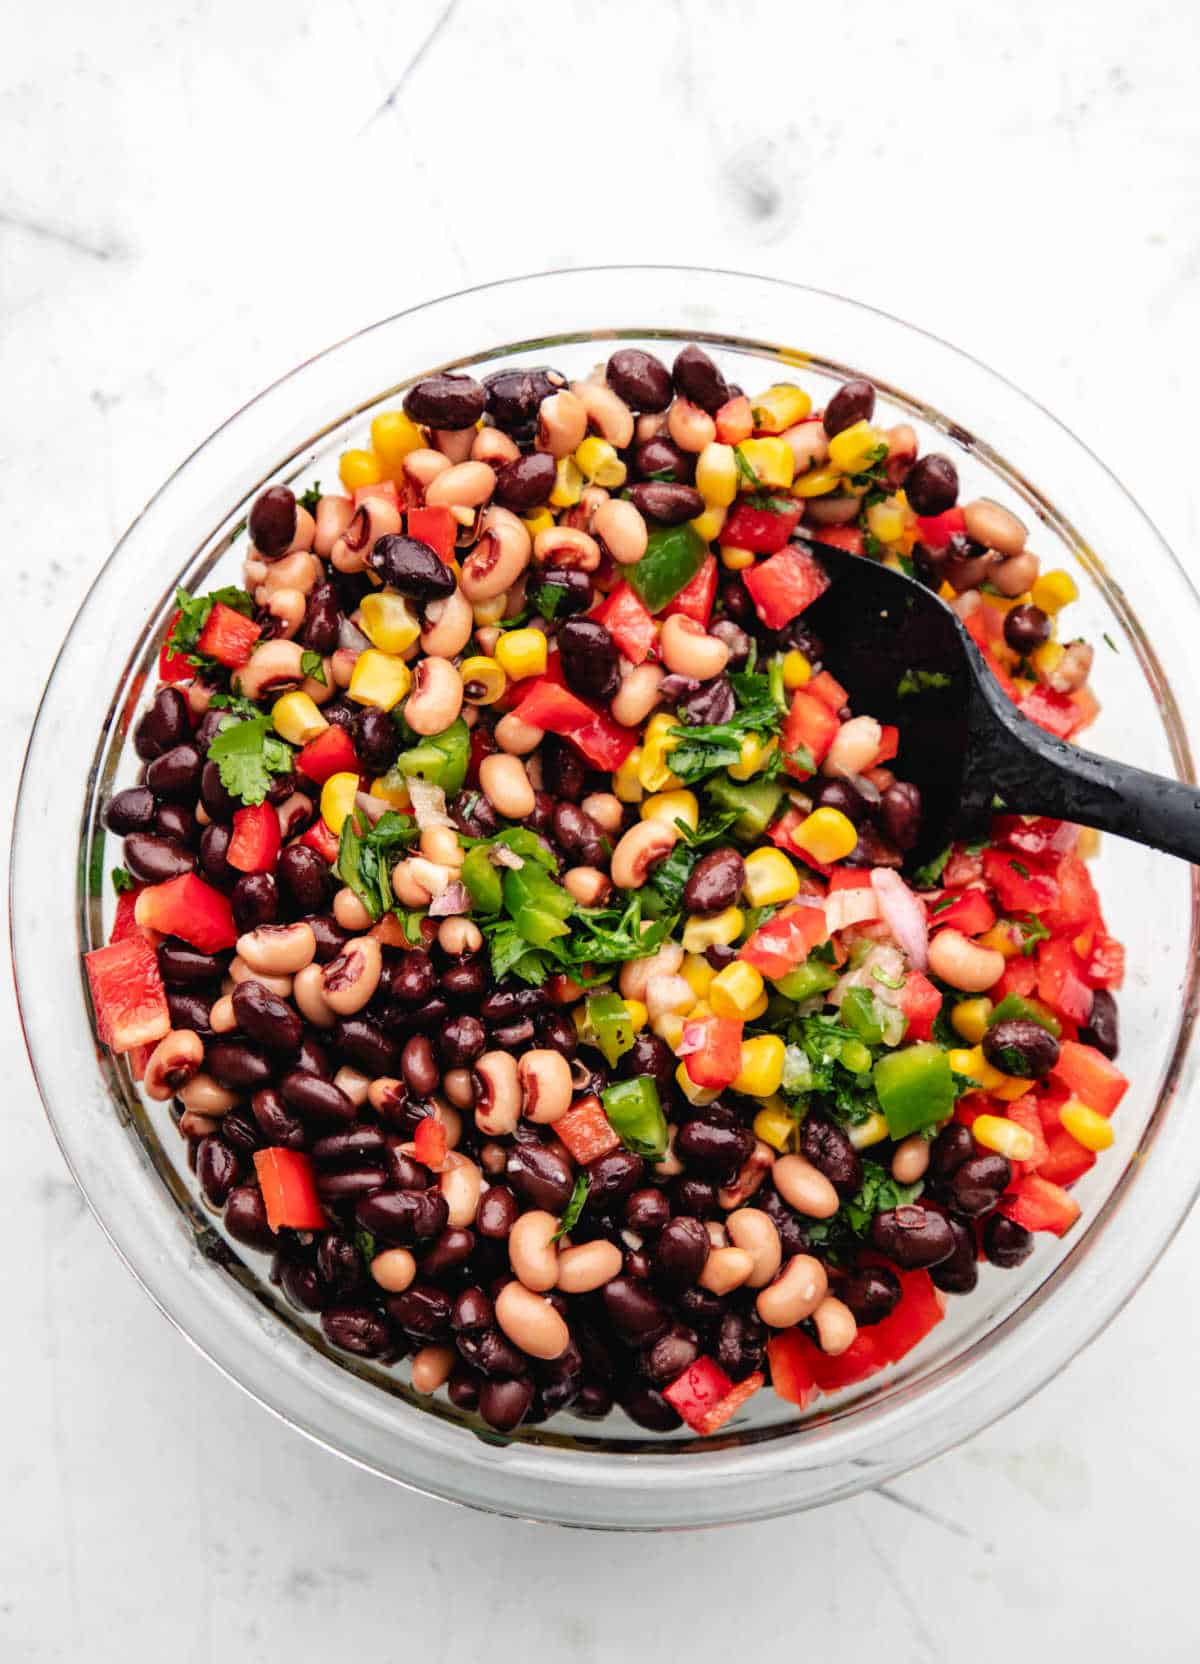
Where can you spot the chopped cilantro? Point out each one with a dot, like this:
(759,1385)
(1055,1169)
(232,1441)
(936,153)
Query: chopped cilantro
(312,664)
(234,704)
(1110,642)
(1032,931)
(871,545)
(122,881)
(926,877)
(920,681)
(364,1241)
(745,470)
(247,755)
(193,616)
(1019,868)
(574,1207)
(311,498)
(707,747)
(878,1193)
(365,858)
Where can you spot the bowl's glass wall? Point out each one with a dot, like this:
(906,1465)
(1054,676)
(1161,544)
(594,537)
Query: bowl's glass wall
(1017,1326)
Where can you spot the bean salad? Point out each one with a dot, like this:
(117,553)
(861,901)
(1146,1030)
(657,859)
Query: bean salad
(531,942)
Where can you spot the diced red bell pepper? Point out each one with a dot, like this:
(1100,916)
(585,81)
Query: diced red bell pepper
(1078,906)
(696,599)
(332,752)
(706,1398)
(968,911)
(1060,980)
(586,1131)
(1020,886)
(761,530)
(936,530)
(1105,965)
(849,538)
(788,1352)
(128,996)
(320,837)
(1039,1205)
(383,490)
(435,526)
(628,623)
(920,1002)
(828,690)
(734,420)
(809,723)
(919,1309)
(977,628)
(849,878)
(1020,977)
(730,1404)
(889,744)
(962,868)
(602,741)
(860,1359)
(429,1142)
(254,846)
(785,941)
(125,924)
(711,1048)
(1090,1076)
(782,586)
(289,1189)
(228,636)
(189,908)
(1024,1112)
(1065,1159)
(1057,713)
(173,667)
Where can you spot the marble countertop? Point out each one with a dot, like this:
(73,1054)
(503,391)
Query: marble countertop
(197,196)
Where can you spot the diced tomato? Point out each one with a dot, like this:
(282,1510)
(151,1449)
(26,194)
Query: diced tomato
(761,530)
(1039,1205)
(849,878)
(1065,1159)
(137,1060)
(1078,906)
(127,994)
(849,538)
(1038,836)
(1090,1076)
(962,868)
(809,723)
(1020,886)
(782,586)
(918,1311)
(1088,707)
(435,526)
(586,1131)
(429,1142)
(383,490)
(189,908)
(889,744)
(1060,980)
(320,837)
(628,622)
(734,420)
(785,941)
(711,1048)
(936,530)
(254,846)
(173,667)
(1057,713)
(332,752)
(976,627)
(828,690)
(1105,966)
(969,911)
(1024,1112)
(228,636)
(289,1189)
(791,1375)
(1020,977)
(695,599)
(125,924)
(920,1002)
(602,741)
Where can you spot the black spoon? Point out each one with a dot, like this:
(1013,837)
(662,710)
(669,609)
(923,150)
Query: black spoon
(905,657)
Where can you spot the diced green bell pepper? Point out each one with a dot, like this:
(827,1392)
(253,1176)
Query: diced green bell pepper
(482,881)
(674,554)
(536,903)
(636,1116)
(609,1020)
(441,759)
(860,1012)
(1013,1007)
(755,801)
(806,980)
(915,1086)
(855,1056)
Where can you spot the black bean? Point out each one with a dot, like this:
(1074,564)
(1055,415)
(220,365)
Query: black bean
(793,1236)
(589,659)
(505,1404)
(637,1264)
(361,1145)
(303,1286)
(214,844)
(670,1355)
(541,1177)
(958,1273)
(1006,1243)
(594,1401)
(735,638)
(219,805)
(698,379)
(190,1011)
(460,1041)
(363,1043)
(681,1252)
(525,483)
(513,1036)
(255,901)
(411,568)
(377,738)
(635,1311)
(1102,1028)
(356,1329)
(240,1133)
(316,1100)
(513,397)
(340,713)
(643,381)
(237,1064)
(874,850)
(853,402)
(328,934)
(715,1149)
(666,503)
(305,877)
(446,401)
(871,1292)
(560,1380)
(246,1217)
(647,1406)
(339,1265)
(322,620)
(403,1020)
(422,1311)
(472,1310)
(462,1389)
(163,725)
(949,1150)
(217,1169)
(498,1212)
(180,965)
(712,701)
(1021,1047)
(419,1066)
(647,1210)
(176,820)
(841,795)
(560,592)
(693,1197)
(403,1216)
(931,484)
(978,1184)
(464,980)
(715,882)
(900,810)
(153,859)
(174,774)
(831,1152)
(130,811)
(1026,628)
(578,834)
(313,1058)
(411,976)
(451,1250)
(557,1034)
(612,1177)
(649,1055)
(563,772)
(272,522)
(661,459)
(912,1236)
(266,1018)
(741,1344)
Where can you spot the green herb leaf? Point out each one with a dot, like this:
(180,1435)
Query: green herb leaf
(1110,642)
(235,705)
(1032,931)
(365,858)
(312,664)
(364,1241)
(574,1207)
(247,755)
(311,497)
(745,470)
(122,881)
(920,681)
(707,747)
(1019,868)
(926,877)
(878,1193)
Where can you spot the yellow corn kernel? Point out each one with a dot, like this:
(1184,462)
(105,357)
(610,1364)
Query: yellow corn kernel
(734,559)
(887,521)
(756,754)
(483,680)
(1012,1087)
(669,1028)
(541,520)
(973,1064)
(827,835)
(772,461)
(490,612)
(762,1066)
(568,483)
(970,1019)
(797,670)
(776,1128)
(625,782)
(1053,591)
(296,718)
(638,1015)
(698,973)
(1086,1126)
(855,448)
(393,435)
(770,878)
(672,806)
(715,930)
(388,622)
(599,463)
(1087,846)
(871,1131)
(994,1132)
(379,679)
(708,525)
(758,1009)
(780,408)
(522,653)
(359,468)
(1044,659)
(734,990)
(717,475)
(654,772)
(394,794)
(818,482)
(337,799)
(693,1093)
(1000,938)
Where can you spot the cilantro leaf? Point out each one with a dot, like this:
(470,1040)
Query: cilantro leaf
(745,470)
(512,955)
(309,500)
(707,747)
(194,611)
(920,681)
(365,858)
(574,1207)
(926,877)
(234,704)
(312,664)
(1032,931)
(247,755)
(878,1193)
(122,881)
(610,936)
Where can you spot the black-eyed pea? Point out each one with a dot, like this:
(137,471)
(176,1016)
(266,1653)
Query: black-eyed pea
(855,746)
(505,784)
(222,1018)
(607,413)
(333,515)
(497,1094)
(461,1184)
(394,1269)
(587,1267)
(240,971)
(277,949)
(795,1294)
(493,446)
(436,697)
(688,649)
(385,1093)
(206,1096)
(349,981)
(964,964)
(587,885)
(500,556)
(421,467)
(308,991)
(193,1125)
(726,1269)
(809,445)
(645,844)
(353,1083)
(606,810)
(273,666)
(457,936)
(563,546)
(532,1252)
(638,694)
(690,427)
(562,423)
(545,1080)
(459,1088)
(530,1322)
(440,844)
(621,530)
(994,526)
(750,1177)
(910,1160)
(636,973)
(350,912)
(287,607)
(431,1367)
(669,1166)
(757,1233)
(804,1187)
(173,1062)
(835,1325)
(516,737)
(465,485)
(448,626)
(1014,576)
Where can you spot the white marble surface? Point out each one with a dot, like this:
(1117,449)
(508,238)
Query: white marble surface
(194,197)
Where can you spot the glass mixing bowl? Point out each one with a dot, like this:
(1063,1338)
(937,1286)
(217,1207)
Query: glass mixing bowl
(995,1347)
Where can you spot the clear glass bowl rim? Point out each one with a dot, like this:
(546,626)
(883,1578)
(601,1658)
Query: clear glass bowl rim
(645,1490)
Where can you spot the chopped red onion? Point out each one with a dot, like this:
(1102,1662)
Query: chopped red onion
(904,914)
